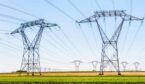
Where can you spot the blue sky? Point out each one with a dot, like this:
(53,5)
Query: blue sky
(55,50)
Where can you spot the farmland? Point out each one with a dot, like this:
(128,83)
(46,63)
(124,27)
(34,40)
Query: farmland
(75,77)
(72,79)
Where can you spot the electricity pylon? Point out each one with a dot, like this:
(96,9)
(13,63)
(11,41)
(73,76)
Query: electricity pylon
(113,41)
(94,64)
(77,64)
(124,64)
(31,58)
(136,65)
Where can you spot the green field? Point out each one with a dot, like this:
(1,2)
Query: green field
(73,79)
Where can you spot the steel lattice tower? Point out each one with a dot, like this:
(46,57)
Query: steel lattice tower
(113,41)
(136,65)
(94,64)
(124,64)
(77,64)
(31,57)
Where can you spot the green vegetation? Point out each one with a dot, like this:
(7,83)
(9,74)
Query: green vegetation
(73,79)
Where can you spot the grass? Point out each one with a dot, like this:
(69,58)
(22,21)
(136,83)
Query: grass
(73,79)
(70,77)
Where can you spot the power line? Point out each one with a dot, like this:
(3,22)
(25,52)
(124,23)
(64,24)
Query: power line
(57,48)
(126,35)
(14,48)
(134,38)
(5,30)
(65,46)
(46,53)
(11,53)
(113,42)
(26,20)
(77,9)
(60,10)
(7,21)
(93,32)
(72,44)
(86,39)
(15,10)
(6,43)
(18,10)
(125,39)
(60,42)
(27,14)
(95,39)
(52,61)
(131,5)
(55,55)
(64,54)
(22,20)
(11,17)
(97,3)
(113,3)
(19,39)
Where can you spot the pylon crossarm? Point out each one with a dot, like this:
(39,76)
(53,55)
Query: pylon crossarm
(99,14)
(16,31)
(89,19)
(32,23)
(110,13)
(132,18)
(49,25)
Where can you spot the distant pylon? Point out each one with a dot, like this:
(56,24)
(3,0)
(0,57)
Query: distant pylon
(31,58)
(136,65)
(77,64)
(124,64)
(94,64)
(110,43)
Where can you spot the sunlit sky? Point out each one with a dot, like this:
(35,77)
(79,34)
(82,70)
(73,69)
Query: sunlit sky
(57,51)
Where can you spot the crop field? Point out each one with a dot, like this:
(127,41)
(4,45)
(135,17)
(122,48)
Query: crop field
(74,73)
(73,79)
(76,77)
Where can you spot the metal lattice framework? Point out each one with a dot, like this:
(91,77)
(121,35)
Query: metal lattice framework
(94,64)
(77,64)
(31,57)
(124,65)
(136,65)
(113,41)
